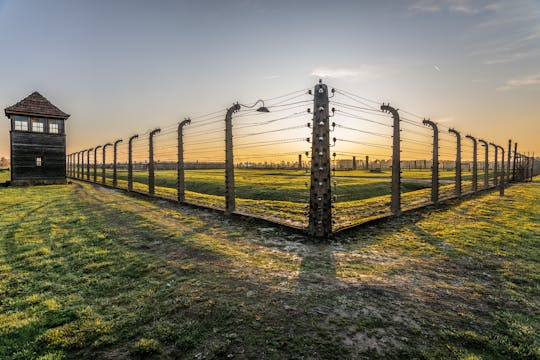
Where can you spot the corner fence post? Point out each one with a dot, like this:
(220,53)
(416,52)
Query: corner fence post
(475,164)
(501,180)
(514,163)
(181,184)
(395,204)
(435,165)
(486,162)
(509,154)
(115,159)
(151,175)
(88,163)
(495,164)
(95,162)
(130,162)
(103,163)
(230,201)
(320,200)
(458,161)
(299,161)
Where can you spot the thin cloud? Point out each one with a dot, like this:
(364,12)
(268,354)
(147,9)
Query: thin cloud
(271,77)
(361,73)
(437,68)
(528,80)
(454,6)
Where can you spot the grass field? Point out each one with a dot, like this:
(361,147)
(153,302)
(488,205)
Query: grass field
(282,195)
(87,272)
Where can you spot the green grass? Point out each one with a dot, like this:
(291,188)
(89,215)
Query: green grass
(281,195)
(4,175)
(87,272)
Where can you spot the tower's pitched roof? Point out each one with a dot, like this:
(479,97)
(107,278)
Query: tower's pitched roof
(35,105)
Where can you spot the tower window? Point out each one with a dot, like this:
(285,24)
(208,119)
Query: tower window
(53,128)
(38,125)
(39,161)
(21,125)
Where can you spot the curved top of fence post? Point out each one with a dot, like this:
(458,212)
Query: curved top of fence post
(117,142)
(107,144)
(154,132)
(133,138)
(455,132)
(183,123)
(390,109)
(428,122)
(471,137)
(494,145)
(483,142)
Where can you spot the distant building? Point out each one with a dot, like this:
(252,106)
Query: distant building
(38,142)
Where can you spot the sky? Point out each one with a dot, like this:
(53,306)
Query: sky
(123,67)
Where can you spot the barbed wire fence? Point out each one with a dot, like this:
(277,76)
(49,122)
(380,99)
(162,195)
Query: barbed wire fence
(319,160)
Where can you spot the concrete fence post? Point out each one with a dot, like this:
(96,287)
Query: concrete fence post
(78,164)
(151,174)
(82,164)
(115,160)
(299,161)
(475,164)
(435,165)
(103,163)
(367,162)
(501,180)
(495,164)
(181,184)
(95,162)
(88,163)
(395,203)
(458,161)
(230,196)
(514,162)
(130,162)
(509,154)
(486,162)
(532,167)
(320,200)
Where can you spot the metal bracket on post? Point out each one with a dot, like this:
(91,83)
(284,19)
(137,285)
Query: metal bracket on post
(320,203)
(95,162)
(130,162)
(151,175)
(103,164)
(475,164)
(115,158)
(458,161)
(486,163)
(88,163)
(230,201)
(181,183)
(395,204)
(495,164)
(501,180)
(435,166)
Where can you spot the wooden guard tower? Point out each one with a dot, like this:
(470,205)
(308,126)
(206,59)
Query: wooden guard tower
(38,142)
